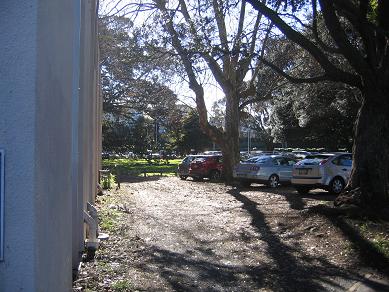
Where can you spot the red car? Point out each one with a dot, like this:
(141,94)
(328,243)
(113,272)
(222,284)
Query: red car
(210,166)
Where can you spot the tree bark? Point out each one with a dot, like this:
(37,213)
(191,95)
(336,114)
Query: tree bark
(370,172)
(230,145)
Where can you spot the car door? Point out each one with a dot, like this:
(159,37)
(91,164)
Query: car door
(285,167)
(184,167)
(288,168)
(341,166)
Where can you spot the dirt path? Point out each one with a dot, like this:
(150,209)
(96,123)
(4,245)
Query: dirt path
(172,235)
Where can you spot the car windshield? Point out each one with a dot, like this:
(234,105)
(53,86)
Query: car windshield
(200,159)
(318,156)
(258,160)
(315,159)
(251,160)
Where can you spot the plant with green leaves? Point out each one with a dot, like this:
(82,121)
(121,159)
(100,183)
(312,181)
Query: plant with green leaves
(108,181)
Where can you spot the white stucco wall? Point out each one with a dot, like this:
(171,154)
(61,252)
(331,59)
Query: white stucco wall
(18,35)
(49,129)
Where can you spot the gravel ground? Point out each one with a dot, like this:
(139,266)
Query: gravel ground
(173,235)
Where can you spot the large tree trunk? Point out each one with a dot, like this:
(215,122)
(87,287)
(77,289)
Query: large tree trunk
(230,145)
(370,172)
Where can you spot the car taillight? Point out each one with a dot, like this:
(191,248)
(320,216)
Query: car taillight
(324,161)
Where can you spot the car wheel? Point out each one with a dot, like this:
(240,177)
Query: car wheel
(183,177)
(245,183)
(336,186)
(273,181)
(302,190)
(215,175)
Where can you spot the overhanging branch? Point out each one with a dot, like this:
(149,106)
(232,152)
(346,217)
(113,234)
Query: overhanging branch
(333,72)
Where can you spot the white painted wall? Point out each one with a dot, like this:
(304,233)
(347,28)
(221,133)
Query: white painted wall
(18,23)
(49,129)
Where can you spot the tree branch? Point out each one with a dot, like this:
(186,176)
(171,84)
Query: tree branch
(305,43)
(316,32)
(193,84)
(238,37)
(292,79)
(355,59)
(222,31)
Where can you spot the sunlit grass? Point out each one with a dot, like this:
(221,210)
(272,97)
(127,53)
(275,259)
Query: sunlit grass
(123,285)
(376,235)
(140,166)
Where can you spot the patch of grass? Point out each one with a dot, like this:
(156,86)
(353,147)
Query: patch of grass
(104,266)
(382,245)
(139,166)
(108,220)
(376,235)
(123,285)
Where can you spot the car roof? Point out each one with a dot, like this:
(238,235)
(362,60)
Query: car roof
(268,156)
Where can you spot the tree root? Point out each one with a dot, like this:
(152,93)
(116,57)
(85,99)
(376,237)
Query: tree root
(349,197)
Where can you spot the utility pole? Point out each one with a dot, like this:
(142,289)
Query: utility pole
(248,141)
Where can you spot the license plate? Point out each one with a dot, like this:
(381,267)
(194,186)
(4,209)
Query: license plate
(241,174)
(303,171)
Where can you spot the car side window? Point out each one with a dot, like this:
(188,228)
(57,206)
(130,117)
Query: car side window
(291,162)
(278,161)
(284,161)
(345,160)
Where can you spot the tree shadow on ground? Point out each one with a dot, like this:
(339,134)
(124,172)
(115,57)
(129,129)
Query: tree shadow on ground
(128,178)
(367,252)
(199,268)
(292,274)
(295,200)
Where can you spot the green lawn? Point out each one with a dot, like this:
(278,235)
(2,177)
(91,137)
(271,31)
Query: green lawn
(140,166)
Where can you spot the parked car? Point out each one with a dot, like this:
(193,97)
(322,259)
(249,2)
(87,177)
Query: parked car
(183,167)
(105,155)
(328,171)
(208,166)
(212,153)
(269,169)
(300,154)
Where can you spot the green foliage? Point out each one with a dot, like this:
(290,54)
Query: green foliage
(137,104)
(108,220)
(108,181)
(139,166)
(192,135)
(122,286)
(382,245)
(312,116)
(373,11)
(376,234)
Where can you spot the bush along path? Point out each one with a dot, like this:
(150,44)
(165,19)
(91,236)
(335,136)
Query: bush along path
(173,235)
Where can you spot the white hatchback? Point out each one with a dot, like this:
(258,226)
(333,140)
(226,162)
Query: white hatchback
(328,171)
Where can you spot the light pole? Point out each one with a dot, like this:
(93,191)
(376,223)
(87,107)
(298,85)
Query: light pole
(248,141)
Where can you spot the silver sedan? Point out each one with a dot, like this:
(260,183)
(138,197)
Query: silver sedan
(270,169)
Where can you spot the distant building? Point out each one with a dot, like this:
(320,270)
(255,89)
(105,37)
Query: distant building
(50,135)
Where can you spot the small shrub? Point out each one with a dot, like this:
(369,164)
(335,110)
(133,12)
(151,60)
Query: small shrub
(108,220)
(382,245)
(108,181)
(122,286)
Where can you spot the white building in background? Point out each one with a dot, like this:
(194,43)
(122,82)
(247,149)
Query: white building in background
(49,138)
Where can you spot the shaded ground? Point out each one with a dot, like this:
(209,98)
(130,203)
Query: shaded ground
(173,235)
